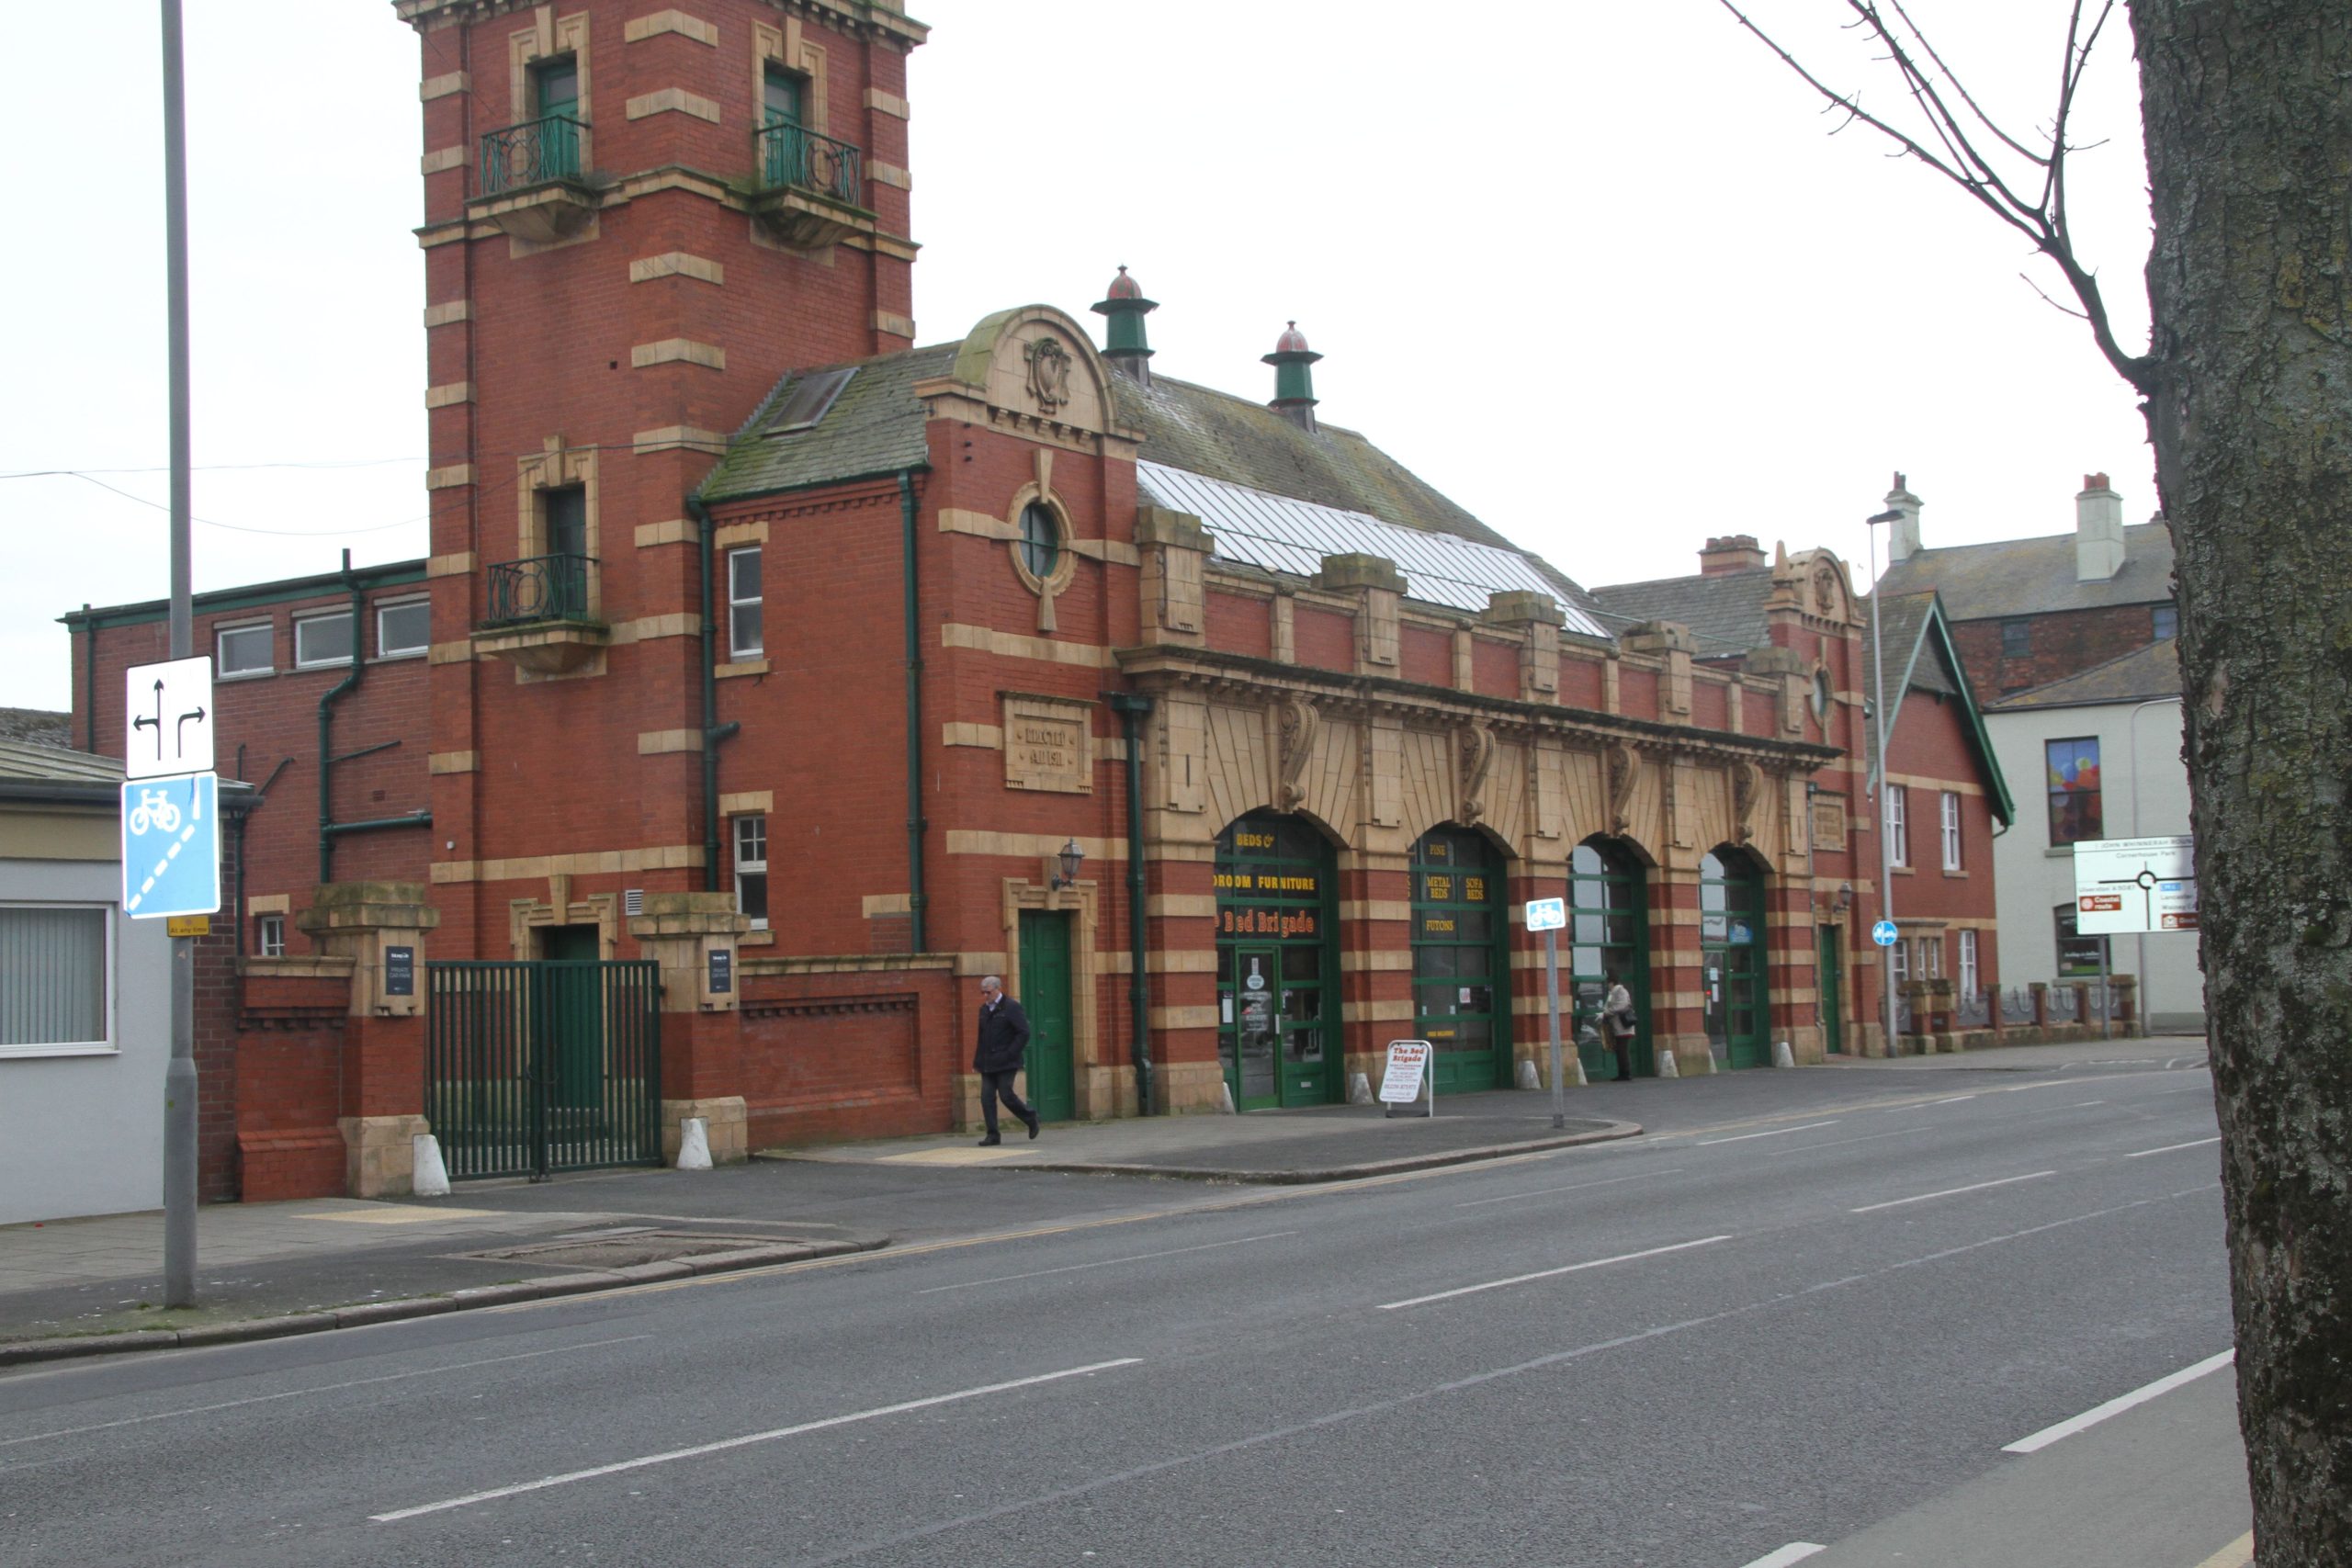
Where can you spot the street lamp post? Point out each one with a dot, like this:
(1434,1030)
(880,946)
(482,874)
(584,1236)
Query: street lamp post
(1885,841)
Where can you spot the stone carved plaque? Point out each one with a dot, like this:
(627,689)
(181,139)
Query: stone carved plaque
(1829,823)
(1048,743)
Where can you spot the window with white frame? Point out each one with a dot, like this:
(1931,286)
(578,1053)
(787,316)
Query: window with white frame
(1968,964)
(243,650)
(269,936)
(403,629)
(322,639)
(1951,830)
(56,963)
(752,870)
(1898,826)
(1899,960)
(746,626)
(1932,958)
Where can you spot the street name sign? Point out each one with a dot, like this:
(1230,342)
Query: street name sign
(171,846)
(167,718)
(2125,886)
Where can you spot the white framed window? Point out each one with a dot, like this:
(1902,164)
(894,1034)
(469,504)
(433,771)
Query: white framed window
(1899,959)
(1951,830)
(403,629)
(1932,958)
(269,936)
(751,869)
(1967,963)
(56,979)
(245,650)
(322,639)
(1898,826)
(746,625)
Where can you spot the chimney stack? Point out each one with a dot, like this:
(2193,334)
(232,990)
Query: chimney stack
(2098,531)
(1903,540)
(1733,553)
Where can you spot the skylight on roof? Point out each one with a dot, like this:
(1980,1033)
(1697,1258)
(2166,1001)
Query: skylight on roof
(809,401)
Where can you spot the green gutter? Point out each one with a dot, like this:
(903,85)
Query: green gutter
(713,732)
(1132,711)
(917,937)
(253,597)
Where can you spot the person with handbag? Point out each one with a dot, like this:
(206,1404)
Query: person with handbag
(1617,1024)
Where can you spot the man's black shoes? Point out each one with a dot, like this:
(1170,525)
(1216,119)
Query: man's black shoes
(1032,1123)
(992,1140)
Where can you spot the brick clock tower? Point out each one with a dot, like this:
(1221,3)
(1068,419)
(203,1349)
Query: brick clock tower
(637,220)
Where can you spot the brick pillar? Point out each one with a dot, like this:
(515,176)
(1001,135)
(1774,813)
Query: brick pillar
(1179,941)
(693,937)
(381,926)
(1678,970)
(1375,960)
(1530,1023)
(1794,957)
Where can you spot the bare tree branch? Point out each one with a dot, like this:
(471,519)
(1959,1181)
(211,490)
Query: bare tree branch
(1956,155)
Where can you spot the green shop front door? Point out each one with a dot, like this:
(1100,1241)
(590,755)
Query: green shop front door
(1732,946)
(1276,1029)
(1830,981)
(1460,965)
(1045,997)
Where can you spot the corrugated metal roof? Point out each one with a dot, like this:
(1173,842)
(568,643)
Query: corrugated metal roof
(1279,533)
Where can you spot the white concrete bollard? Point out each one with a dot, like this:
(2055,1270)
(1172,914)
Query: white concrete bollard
(1224,1092)
(1782,1057)
(1528,1077)
(694,1144)
(1360,1089)
(1666,1068)
(432,1178)
(1574,1072)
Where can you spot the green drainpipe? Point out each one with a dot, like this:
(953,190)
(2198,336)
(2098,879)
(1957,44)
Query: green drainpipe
(917,936)
(1132,711)
(713,732)
(326,728)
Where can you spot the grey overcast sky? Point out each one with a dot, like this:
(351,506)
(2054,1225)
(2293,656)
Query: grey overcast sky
(1600,271)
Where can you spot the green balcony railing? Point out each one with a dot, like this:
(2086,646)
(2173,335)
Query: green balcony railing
(537,150)
(542,588)
(795,156)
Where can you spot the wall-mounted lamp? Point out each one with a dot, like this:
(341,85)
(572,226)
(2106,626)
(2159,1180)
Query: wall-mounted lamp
(1071,859)
(1845,897)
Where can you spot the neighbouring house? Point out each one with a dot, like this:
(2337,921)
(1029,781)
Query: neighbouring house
(2071,636)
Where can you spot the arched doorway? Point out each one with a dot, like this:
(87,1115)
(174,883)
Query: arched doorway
(1731,949)
(1461,959)
(1277,962)
(1609,932)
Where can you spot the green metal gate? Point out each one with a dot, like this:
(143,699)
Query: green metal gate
(532,1067)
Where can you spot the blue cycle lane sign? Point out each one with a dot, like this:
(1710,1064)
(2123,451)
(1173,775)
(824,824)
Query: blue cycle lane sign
(171,797)
(1883,933)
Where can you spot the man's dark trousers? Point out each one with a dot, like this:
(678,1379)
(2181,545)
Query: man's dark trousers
(993,1085)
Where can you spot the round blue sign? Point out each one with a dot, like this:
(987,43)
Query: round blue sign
(1883,933)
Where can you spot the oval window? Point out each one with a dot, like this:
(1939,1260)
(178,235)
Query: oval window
(1821,695)
(1041,540)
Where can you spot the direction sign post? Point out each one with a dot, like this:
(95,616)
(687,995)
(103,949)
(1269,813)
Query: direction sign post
(2127,885)
(1548,915)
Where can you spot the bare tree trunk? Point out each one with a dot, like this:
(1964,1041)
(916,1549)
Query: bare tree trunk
(2248,108)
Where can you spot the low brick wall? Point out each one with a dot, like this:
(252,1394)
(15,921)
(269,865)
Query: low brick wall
(852,1047)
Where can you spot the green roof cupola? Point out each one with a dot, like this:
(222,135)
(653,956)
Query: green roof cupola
(1125,345)
(1293,382)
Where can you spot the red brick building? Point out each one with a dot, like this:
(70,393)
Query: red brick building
(819,674)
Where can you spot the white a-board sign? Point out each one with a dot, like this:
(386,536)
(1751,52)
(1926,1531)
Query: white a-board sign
(1409,1076)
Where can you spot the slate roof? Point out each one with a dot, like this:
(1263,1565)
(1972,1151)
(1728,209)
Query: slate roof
(875,426)
(37,726)
(2035,577)
(1725,612)
(25,761)
(2141,675)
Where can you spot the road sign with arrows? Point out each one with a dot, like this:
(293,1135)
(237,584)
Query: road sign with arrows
(167,720)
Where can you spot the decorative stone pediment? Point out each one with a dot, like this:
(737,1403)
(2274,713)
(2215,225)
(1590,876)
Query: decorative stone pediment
(1035,363)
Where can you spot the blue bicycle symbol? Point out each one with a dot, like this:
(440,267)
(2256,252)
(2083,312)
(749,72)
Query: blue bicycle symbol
(155,811)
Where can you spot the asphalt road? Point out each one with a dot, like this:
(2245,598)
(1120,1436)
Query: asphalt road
(1789,1322)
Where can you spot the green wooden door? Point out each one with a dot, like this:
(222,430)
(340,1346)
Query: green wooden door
(557,85)
(1045,995)
(1732,946)
(1461,964)
(575,1017)
(1829,983)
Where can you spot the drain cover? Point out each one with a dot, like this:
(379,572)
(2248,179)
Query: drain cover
(621,1251)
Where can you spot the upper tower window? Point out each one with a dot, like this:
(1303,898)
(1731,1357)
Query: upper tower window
(786,97)
(556,85)
(567,520)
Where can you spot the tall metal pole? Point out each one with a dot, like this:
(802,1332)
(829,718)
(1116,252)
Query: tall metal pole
(2139,982)
(179,1077)
(1885,786)
(1551,993)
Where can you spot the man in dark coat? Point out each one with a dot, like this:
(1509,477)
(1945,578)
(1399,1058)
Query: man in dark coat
(1004,1042)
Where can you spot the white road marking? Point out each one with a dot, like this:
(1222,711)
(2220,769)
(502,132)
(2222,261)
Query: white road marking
(1805,1127)
(1839,1142)
(323,1388)
(1954,1099)
(1949,1191)
(2168,1148)
(1795,1551)
(2083,1104)
(2098,1414)
(722,1446)
(1552,1273)
(1105,1263)
(1573,1186)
